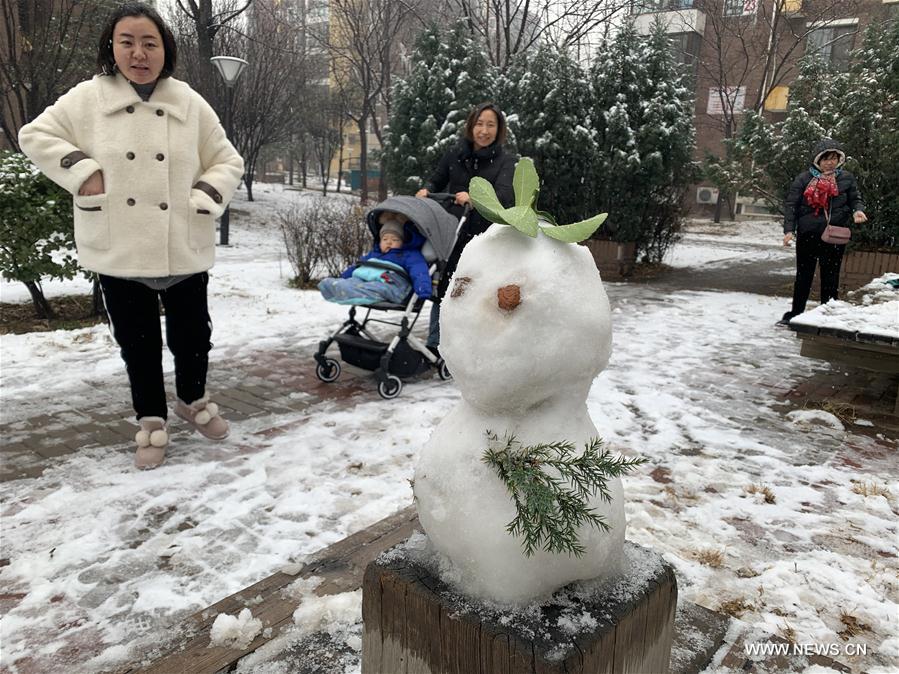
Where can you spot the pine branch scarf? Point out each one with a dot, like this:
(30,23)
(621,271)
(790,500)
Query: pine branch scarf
(820,190)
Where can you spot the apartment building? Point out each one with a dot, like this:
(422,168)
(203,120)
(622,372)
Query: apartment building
(743,55)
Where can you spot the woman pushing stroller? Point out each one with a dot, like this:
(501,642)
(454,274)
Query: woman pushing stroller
(479,153)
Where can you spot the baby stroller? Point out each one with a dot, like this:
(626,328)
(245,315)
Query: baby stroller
(404,355)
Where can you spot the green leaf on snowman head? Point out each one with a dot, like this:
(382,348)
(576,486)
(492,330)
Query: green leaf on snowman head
(526,183)
(547,218)
(577,231)
(524,216)
(524,219)
(483,198)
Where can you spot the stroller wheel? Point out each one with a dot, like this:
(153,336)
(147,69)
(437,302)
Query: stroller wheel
(390,388)
(329,371)
(443,371)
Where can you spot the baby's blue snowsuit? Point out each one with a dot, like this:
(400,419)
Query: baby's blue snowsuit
(363,284)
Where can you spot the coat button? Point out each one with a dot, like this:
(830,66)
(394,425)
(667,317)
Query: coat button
(129,109)
(131,202)
(159,113)
(160,156)
(66,162)
(130,155)
(163,206)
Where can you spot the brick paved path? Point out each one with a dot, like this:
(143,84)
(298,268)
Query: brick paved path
(268,383)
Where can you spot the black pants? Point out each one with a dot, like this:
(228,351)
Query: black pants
(133,310)
(811,251)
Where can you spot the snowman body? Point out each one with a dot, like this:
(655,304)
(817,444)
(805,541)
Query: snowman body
(523,371)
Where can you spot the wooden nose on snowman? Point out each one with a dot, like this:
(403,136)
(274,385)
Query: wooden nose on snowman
(508,297)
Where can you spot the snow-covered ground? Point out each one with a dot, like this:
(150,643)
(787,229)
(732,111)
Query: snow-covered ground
(785,517)
(711,245)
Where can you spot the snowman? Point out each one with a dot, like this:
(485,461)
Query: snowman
(525,329)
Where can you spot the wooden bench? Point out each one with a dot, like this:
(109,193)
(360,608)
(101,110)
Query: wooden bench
(878,353)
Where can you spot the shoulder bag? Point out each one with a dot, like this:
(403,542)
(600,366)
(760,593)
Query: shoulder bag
(834,234)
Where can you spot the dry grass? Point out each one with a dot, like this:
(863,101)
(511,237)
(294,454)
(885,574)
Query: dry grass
(852,626)
(736,607)
(788,633)
(678,494)
(872,489)
(763,490)
(709,557)
(842,411)
(72,312)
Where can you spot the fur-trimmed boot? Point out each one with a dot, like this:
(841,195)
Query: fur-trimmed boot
(204,416)
(151,440)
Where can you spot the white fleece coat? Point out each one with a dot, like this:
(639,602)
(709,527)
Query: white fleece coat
(152,220)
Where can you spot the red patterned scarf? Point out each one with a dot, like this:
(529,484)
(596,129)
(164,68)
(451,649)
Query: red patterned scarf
(820,191)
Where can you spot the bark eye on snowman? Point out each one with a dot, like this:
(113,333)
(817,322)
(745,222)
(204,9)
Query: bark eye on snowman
(460,285)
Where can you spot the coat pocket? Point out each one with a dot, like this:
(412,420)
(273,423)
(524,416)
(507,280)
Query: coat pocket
(92,221)
(202,227)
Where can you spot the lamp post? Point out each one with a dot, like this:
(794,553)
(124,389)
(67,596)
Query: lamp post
(230,68)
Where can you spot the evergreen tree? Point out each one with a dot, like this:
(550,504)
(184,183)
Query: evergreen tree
(36,230)
(449,76)
(642,114)
(859,108)
(545,95)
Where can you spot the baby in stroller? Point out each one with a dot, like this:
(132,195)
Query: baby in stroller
(393,268)
(428,235)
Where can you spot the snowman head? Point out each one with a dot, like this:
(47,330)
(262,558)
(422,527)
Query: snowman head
(525,320)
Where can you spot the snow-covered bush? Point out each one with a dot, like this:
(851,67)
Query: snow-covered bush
(547,97)
(322,237)
(36,228)
(449,76)
(642,113)
(859,108)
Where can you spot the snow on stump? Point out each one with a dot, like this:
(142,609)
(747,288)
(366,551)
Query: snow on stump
(414,623)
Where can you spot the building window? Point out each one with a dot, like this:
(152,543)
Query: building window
(685,47)
(646,6)
(726,99)
(792,6)
(740,7)
(777,98)
(832,44)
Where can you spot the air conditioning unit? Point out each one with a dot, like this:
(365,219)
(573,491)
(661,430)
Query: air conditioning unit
(706,195)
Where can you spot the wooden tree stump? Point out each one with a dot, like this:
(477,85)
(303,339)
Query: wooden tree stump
(414,623)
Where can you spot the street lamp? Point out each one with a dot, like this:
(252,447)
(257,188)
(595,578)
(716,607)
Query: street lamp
(230,68)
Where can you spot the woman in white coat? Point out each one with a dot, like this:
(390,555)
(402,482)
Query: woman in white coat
(150,168)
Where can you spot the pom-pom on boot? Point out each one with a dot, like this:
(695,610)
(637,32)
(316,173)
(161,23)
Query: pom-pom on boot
(204,416)
(151,440)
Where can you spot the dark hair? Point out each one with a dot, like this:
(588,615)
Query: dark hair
(105,57)
(829,154)
(473,119)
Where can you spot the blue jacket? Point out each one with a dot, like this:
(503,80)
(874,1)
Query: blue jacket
(408,257)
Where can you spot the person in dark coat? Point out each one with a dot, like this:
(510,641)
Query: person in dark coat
(479,153)
(824,194)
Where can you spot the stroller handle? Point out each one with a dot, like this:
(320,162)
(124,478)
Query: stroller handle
(447,199)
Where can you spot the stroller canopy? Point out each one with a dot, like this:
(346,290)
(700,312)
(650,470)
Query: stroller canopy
(435,224)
